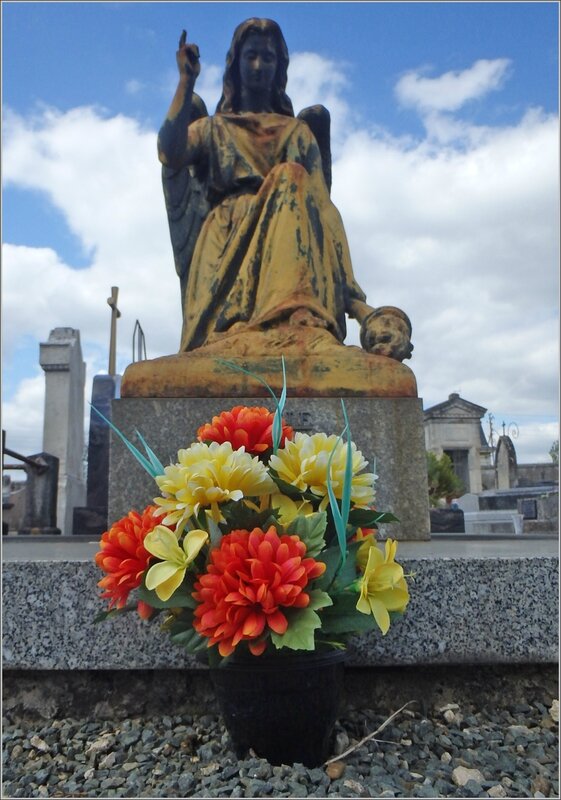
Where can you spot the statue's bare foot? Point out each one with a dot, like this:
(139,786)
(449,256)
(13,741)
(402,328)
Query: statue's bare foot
(303,316)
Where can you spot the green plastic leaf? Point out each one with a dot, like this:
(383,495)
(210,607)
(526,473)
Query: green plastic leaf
(368,518)
(319,599)
(181,632)
(343,618)
(332,644)
(213,531)
(331,557)
(310,529)
(103,615)
(215,660)
(302,623)
(238,515)
(290,490)
(338,575)
(300,632)
(142,460)
(181,598)
(348,572)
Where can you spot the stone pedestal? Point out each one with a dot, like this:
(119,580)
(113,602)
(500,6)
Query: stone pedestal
(389,432)
(316,365)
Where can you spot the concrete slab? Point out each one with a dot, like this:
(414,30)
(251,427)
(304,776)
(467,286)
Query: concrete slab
(82,548)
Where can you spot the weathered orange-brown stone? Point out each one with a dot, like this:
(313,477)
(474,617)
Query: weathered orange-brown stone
(316,366)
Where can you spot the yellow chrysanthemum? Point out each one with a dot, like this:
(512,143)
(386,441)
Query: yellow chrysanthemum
(383,587)
(303,463)
(165,576)
(207,475)
(289,509)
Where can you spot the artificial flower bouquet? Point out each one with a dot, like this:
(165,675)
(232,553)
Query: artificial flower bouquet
(260,540)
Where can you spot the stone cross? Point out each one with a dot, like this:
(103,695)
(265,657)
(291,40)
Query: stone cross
(115,314)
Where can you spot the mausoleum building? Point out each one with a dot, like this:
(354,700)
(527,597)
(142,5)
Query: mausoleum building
(454,427)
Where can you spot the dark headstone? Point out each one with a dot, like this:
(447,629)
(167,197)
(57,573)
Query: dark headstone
(528,508)
(41,496)
(447,520)
(92,519)
(105,389)
(498,502)
(89,521)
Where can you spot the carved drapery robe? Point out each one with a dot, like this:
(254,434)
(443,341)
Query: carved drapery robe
(273,241)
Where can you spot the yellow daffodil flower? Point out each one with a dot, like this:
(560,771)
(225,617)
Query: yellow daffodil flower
(207,475)
(382,587)
(303,463)
(363,551)
(289,509)
(165,576)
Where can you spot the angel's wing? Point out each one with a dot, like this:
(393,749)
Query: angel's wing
(186,206)
(318,120)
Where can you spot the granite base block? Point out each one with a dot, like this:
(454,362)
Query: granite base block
(389,432)
(462,611)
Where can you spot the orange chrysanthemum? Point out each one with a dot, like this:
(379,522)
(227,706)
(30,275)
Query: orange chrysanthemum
(251,577)
(243,426)
(124,559)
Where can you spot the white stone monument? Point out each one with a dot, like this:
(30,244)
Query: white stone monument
(63,427)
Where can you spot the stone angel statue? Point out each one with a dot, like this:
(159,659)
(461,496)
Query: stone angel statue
(258,244)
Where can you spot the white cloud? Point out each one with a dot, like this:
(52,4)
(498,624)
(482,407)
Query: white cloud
(209,85)
(452,90)
(464,239)
(22,417)
(134,86)
(104,176)
(534,441)
(314,80)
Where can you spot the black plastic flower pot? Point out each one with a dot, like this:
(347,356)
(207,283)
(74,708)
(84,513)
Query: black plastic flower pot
(284,708)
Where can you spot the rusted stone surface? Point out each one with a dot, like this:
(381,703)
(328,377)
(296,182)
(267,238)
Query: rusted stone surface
(316,366)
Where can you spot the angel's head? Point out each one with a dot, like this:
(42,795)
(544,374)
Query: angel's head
(269,33)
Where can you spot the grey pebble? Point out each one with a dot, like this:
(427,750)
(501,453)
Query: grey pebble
(191,757)
(186,782)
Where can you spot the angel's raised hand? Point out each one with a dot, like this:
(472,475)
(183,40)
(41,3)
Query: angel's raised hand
(187,58)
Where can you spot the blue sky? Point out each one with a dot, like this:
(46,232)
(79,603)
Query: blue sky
(445,130)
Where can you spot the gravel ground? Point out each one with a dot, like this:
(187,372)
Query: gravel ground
(451,752)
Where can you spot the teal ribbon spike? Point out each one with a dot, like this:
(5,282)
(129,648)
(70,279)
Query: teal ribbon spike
(341,515)
(152,464)
(277,421)
(347,486)
(279,403)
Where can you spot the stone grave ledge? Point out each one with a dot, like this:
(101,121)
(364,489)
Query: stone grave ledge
(486,603)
